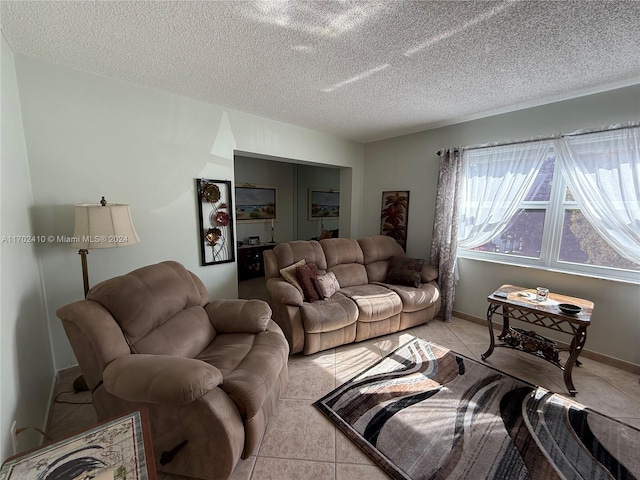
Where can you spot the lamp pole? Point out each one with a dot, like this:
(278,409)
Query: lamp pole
(83,252)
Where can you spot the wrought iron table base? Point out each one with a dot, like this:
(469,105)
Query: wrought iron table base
(579,333)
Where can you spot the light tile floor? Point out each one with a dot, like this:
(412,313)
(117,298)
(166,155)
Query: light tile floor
(301,443)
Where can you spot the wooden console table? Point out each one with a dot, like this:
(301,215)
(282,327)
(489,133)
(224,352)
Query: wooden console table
(518,303)
(251,261)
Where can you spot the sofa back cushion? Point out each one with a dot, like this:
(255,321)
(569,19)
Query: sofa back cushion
(341,250)
(291,252)
(159,309)
(345,259)
(377,250)
(186,334)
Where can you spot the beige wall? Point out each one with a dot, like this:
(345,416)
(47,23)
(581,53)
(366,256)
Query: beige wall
(83,136)
(26,362)
(410,163)
(89,136)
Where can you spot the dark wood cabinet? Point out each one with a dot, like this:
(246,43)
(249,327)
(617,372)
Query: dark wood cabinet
(251,261)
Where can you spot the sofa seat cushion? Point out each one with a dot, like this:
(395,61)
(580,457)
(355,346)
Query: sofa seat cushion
(374,302)
(328,315)
(415,299)
(250,365)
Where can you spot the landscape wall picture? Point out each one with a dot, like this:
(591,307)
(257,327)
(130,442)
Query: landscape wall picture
(323,203)
(256,203)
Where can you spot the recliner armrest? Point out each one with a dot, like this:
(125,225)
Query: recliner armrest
(429,273)
(239,316)
(283,292)
(160,379)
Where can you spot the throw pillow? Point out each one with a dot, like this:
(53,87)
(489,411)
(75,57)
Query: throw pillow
(404,271)
(306,274)
(289,274)
(327,285)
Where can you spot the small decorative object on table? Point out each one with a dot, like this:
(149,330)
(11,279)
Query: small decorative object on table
(569,308)
(531,342)
(541,293)
(272,231)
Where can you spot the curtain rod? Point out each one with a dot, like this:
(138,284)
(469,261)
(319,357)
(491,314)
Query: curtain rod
(541,139)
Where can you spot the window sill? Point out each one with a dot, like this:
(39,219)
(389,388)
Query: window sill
(502,261)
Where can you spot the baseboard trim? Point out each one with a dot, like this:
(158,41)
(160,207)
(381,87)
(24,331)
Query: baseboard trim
(598,357)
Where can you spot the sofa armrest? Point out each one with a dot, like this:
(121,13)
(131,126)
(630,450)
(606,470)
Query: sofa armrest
(160,379)
(429,273)
(239,316)
(283,292)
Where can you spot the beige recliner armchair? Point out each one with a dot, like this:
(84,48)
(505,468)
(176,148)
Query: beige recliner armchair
(208,373)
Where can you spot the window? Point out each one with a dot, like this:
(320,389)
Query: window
(547,228)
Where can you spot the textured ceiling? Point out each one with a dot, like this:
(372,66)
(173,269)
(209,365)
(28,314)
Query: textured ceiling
(361,70)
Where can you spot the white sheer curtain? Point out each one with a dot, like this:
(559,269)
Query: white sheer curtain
(602,171)
(495,181)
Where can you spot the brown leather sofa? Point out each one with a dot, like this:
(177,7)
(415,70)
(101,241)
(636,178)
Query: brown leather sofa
(366,305)
(210,373)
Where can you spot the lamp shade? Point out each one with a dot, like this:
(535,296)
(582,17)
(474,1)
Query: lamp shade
(106,226)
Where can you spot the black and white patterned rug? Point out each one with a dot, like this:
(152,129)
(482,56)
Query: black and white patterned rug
(425,412)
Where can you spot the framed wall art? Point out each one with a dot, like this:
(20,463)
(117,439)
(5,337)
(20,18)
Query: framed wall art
(394,216)
(118,449)
(256,203)
(216,222)
(323,203)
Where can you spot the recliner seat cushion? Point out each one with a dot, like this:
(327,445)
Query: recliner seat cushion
(374,302)
(328,315)
(250,365)
(415,299)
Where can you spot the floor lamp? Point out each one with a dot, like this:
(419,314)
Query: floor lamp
(100,226)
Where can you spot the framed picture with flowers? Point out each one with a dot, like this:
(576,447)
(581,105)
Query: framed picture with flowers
(216,222)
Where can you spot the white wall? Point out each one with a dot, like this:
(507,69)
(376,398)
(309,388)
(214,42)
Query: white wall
(410,163)
(26,362)
(89,136)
